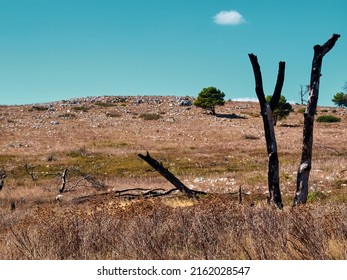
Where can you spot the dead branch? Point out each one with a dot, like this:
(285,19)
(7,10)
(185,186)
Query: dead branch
(169,176)
(30,170)
(63,181)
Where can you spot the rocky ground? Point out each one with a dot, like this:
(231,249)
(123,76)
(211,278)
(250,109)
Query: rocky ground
(103,135)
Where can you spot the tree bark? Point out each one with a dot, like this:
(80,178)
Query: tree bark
(306,156)
(169,176)
(268,120)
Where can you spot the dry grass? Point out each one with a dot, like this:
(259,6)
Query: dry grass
(212,154)
(212,228)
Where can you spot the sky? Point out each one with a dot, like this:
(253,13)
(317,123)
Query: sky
(52,50)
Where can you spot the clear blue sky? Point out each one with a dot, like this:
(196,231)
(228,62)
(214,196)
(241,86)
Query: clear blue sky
(60,49)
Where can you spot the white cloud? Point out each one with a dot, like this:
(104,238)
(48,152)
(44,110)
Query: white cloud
(245,99)
(231,17)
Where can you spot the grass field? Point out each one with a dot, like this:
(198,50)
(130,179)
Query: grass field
(100,139)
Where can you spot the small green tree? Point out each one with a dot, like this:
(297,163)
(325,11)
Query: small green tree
(282,110)
(209,98)
(340,99)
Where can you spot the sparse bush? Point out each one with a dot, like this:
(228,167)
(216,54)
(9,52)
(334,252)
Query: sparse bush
(80,108)
(150,116)
(113,115)
(104,104)
(316,196)
(251,137)
(67,116)
(328,119)
(38,108)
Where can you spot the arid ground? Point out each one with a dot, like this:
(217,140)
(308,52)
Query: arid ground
(98,139)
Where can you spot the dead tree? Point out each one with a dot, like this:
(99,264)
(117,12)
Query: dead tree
(267,109)
(306,157)
(169,176)
(303,93)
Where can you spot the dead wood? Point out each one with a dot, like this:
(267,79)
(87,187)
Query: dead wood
(2,178)
(267,109)
(30,171)
(63,181)
(305,166)
(169,176)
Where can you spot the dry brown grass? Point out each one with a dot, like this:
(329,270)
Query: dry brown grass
(208,153)
(212,228)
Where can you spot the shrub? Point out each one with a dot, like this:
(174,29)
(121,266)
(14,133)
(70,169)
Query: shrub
(80,108)
(113,115)
(67,116)
(104,104)
(38,108)
(301,110)
(150,117)
(328,119)
(283,108)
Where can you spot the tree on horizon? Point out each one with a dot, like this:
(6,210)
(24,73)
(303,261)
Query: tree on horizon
(209,98)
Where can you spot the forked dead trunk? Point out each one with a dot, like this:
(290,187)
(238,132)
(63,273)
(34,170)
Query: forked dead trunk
(267,109)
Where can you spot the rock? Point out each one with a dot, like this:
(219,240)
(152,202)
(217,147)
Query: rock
(185,102)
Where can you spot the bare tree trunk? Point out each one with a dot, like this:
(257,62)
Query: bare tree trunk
(168,175)
(303,93)
(306,157)
(268,120)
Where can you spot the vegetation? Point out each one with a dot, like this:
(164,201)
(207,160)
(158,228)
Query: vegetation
(340,99)
(209,98)
(105,104)
(282,110)
(88,223)
(328,119)
(211,228)
(81,109)
(150,116)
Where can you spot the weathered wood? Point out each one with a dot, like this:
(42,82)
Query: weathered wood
(305,166)
(169,176)
(63,181)
(2,179)
(267,109)
(239,195)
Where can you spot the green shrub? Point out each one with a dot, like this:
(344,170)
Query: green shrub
(301,110)
(80,108)
(316,196)
(328,119)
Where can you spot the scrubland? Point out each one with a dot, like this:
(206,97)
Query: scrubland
(100,139)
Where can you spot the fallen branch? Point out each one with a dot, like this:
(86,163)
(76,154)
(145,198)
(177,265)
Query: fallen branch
(169,176)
